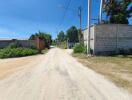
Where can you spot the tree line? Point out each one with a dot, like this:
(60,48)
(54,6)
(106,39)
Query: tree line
(71,35)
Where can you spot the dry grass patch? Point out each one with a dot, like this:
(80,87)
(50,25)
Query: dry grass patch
(116,68)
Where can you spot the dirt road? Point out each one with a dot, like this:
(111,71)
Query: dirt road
(56,76)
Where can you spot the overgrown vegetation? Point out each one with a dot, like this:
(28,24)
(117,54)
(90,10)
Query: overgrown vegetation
(79,48)
(118,11)
(15,50)
(62,45)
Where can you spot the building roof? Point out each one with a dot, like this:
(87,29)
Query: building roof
(12,39)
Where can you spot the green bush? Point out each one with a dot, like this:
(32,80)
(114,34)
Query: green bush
(17,52)
(63,45)
(13,45)
(79,48)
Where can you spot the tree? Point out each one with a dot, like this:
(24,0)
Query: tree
(72,34)
(54,42)
(47,38)
(61,36)
(118,11)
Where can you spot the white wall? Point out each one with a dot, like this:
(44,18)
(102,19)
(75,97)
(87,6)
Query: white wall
(110,38)
(85,35)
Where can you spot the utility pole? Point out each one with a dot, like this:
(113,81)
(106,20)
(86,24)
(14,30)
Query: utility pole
(80,17)
(100,13)
(88,34)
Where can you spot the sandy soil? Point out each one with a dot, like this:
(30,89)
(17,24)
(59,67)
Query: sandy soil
(55,76)
(117,69)
(12,65)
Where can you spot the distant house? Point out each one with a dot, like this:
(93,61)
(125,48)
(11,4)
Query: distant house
(109,38)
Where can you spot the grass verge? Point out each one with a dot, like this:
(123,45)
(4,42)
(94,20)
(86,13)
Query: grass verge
(116,68)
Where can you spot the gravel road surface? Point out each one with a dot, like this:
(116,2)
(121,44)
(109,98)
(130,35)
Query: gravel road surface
(56,76)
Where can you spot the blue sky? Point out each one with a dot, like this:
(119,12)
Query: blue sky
(21,18)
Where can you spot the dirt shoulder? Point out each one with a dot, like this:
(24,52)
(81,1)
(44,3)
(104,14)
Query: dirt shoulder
(116,68)
(12,65)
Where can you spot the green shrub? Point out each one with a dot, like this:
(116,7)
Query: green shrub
(17,52)
(13,45)
(63,45)
(79,48)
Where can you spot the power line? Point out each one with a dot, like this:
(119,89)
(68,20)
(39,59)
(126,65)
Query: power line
(66,8)
(72,9)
